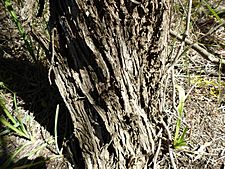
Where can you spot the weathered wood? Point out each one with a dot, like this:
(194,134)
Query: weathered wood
(108,58)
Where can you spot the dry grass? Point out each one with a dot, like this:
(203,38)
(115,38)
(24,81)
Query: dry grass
(204,108)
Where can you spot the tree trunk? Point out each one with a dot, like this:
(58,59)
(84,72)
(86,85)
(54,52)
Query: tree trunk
(108,58)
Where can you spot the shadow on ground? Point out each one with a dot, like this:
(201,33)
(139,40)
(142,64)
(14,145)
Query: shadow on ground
(30,82)
(37,163)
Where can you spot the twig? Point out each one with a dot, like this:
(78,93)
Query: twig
(169,146)
(53,54)
(204,53)
(183,40)
(174,90)
(155,166)
(185,35)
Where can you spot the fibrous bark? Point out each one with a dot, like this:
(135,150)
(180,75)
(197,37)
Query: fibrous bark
(108,59)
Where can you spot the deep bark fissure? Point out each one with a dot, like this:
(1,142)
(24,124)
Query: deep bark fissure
(108,71)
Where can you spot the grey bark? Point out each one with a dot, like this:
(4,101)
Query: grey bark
(108,58)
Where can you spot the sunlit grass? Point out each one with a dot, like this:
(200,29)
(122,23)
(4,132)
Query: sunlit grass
(179,139)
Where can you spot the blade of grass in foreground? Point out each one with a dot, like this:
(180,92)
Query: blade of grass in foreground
(7,124)
(55,130)
(5,110)
(179,140)
(13,123)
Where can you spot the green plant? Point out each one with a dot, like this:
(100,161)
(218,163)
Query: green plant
(12,123)
(214,13)
(23,34)
(179,139)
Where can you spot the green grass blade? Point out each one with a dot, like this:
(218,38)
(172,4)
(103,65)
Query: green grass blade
(15,102)
(177,131)
(21,125)
(183,134)
(18,125)
(2,85)
(181,100)
(213,12)
(23,129)
(7,124)
(180,144)
(180,108)
(20,28)
(6,111)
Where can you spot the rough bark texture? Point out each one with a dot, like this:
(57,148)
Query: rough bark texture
(108,58)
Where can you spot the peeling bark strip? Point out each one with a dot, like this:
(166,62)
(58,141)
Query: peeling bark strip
(108,59)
